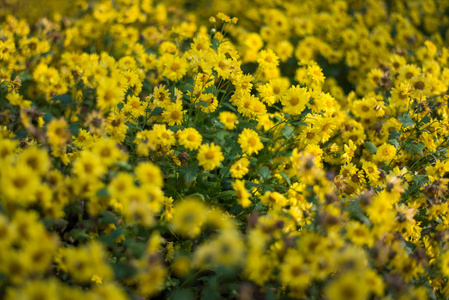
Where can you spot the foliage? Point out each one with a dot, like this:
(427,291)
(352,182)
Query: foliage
(288,150)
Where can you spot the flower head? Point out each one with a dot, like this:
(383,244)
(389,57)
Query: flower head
(249,141)
(210,156)
(190,138)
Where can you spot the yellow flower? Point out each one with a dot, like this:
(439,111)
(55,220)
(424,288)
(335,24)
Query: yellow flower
(86,261)
(228,248)
(222,66)
(188,217)
(348,152)
(359,234)
(19,184)
(165,137)
(210,156)
(438,170)
(267,94)
(88,165)
(239,168)
(386,152)
(444,264)
(34,289)
(173,113)
(134,107)
(190,138)
(107,151)
(116,126)
(58,132)
(174,67)
(293,271)
(95,122)
(249,141)
(224,18)
(83,140)
(16,99)
(209,103)
(36,159)
(315,73)
(250,106)
(374,282)
(149,174)
(273,198)
(151,278)
(121,185)
(225,250)
(347,287)
(7,149)
(109,94)
(170,254)
(228,119)
(371,171)
(259,267)
(267,59)
(167,215)
(242,193)
(295,100)
(97,279)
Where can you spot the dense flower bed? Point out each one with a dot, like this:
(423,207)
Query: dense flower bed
(225,149)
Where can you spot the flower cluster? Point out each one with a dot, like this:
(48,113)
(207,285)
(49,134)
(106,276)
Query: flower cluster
(288,149)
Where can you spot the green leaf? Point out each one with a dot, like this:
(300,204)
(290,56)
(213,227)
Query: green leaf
(394,135)
(136,247)
(406,120)
(227,194)
(203,104)
(197,195)
(110,238)
(188,87)
(265,172)
(236,210)
(103,192)
(221,135)
(48,117)
(63,99)
(187,245)
(79,234)
(182,294)
(156,111)
(211,292)
(370,147)
(74,128)
(175,128)
(189,173)
(123,270)
(228,105)
(286,178)
(252,184)
(266,140)
(356,212)
(107,217)
(287,131)
(57,224)
(25,77)
(414,148)
(21,134)
(248,124)
(394,142)
(426,120)
(215,44)
(299,123)
(264,158)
